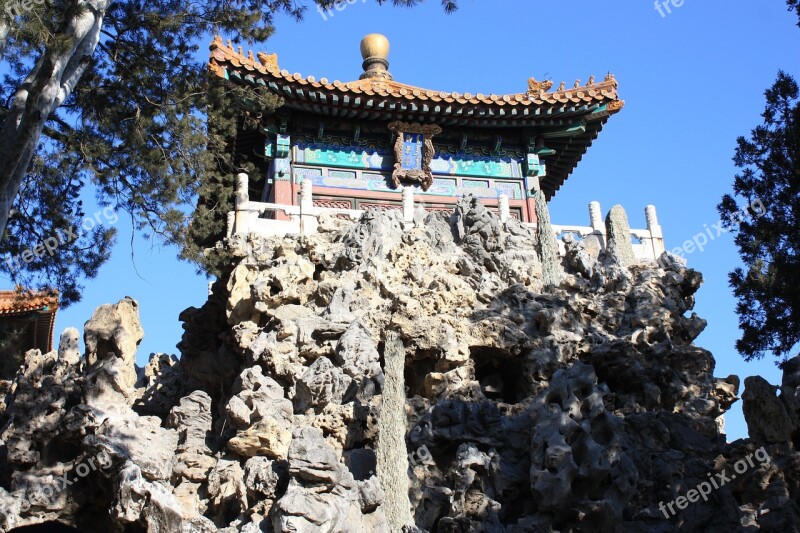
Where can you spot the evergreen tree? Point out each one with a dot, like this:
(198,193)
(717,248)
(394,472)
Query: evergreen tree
(232,109)
(768,287)
(109,97)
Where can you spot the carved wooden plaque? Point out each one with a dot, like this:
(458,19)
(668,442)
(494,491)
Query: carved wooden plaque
(413,151)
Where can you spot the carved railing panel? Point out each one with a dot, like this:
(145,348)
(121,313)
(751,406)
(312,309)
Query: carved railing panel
(648,243)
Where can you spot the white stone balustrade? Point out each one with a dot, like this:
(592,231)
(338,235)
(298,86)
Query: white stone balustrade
(408,207)
(505,212)
(650,243)
(303,219)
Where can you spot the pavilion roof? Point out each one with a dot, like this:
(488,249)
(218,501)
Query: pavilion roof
(20,302)
(574,115)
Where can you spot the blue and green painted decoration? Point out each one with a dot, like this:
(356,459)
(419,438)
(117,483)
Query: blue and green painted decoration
(359,168)
(380,159)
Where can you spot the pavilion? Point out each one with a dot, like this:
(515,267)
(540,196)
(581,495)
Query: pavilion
(27,320)
(358,143)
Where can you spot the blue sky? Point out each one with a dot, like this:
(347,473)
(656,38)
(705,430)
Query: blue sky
(693,81)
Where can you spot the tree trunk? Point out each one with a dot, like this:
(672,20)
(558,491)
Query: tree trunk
(4,29)
(50,81)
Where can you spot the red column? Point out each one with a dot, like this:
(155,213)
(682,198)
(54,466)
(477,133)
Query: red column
(283,194)
(531,204)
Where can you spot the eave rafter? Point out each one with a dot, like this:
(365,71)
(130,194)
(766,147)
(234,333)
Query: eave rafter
(567,120)
(597,100)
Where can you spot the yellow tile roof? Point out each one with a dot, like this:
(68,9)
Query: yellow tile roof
(266,66)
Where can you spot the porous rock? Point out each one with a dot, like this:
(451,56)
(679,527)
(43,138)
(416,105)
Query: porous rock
(525,389)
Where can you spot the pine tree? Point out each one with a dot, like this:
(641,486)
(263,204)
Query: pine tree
(232,109)
(109,98)
(768,287)
(794,5)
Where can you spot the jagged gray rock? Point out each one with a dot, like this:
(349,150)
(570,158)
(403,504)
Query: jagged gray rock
(321,384)
(140,440)
(546,240)
(576,455)
(356,353)
(159,385)
(322,495)
(113,329)
(768,419)
(618,233)
(193,421)
(68,347)
(262,416)
(392,460)
(576,408)
(580,256)
(111,337)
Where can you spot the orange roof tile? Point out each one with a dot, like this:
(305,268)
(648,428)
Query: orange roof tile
(19,302)
(578,114)
(266,66)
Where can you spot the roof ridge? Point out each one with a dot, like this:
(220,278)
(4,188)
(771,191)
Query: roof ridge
(537,93)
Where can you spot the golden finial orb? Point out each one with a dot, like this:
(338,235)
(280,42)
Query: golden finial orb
(375,45)
(375,53)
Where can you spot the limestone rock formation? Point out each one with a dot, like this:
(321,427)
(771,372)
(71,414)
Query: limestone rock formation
(768,418)
(548,249)
(392,462)
(111,337)
(619,236)
(261,415)
(68,346)
(577,458)
(524,390)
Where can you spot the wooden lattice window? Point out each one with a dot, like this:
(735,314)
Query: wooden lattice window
(333,204)
(379,207)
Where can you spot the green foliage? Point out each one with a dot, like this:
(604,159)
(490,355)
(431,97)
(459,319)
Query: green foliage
(51,242)
(230,112)
(133,131)
(768,288)
(794,5)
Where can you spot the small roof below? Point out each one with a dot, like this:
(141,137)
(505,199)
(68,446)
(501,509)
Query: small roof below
(19,303)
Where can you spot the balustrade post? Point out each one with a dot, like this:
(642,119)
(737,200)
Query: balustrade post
(505,212)
(656,234)
(408,207)
(242,205)
(597,223)
(230,224)
(596,217)
(308,216)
